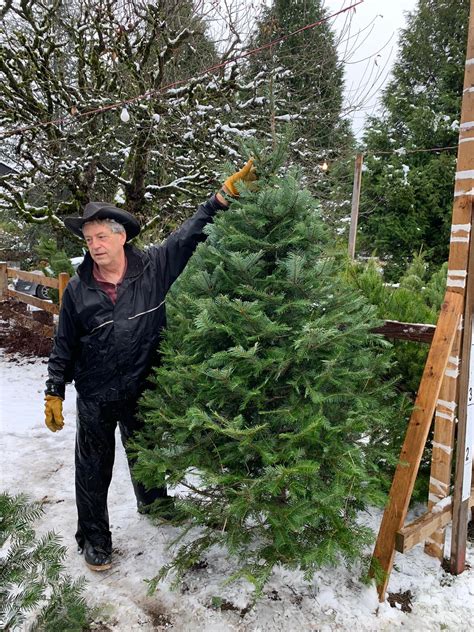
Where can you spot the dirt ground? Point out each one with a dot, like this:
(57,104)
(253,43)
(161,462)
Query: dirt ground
(15,338)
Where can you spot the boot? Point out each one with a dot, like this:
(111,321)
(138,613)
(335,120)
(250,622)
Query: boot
(96,558)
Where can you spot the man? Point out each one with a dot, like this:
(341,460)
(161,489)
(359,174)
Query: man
(112,316)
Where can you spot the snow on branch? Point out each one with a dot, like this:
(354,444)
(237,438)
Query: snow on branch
(253,102)
(176,41)
(113,175)
(174,185)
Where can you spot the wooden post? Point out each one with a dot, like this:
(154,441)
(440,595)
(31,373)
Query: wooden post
(443,446)
(415,440)
(63,279)
(3,279)
(465,432)
(355,203)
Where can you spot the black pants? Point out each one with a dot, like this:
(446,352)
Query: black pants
(95,452)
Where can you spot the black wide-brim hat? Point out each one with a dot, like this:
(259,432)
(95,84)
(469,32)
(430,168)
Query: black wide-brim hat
(103,210)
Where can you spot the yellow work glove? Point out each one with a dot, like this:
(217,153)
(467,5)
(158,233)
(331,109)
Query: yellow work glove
(53,413)
(246,174)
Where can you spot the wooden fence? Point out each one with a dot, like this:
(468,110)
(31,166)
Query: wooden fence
(58,283)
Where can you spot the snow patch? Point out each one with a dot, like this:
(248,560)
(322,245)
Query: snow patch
(41,463)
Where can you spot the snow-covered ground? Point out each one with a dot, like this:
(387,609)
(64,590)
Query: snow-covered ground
(40,463)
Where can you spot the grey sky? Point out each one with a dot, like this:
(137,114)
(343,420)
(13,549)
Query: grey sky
(368,62)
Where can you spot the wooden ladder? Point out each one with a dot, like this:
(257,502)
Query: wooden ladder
(446,389)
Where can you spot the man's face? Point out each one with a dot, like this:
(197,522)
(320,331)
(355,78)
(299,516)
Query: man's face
(105,247)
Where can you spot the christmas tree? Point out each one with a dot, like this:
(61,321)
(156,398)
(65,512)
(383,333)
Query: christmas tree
(269,387)
(32,582)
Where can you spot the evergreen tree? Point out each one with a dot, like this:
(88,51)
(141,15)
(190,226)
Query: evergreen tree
(417,298)
(31,578)
(269,387)
(299,83)
(307,78)
(406,199)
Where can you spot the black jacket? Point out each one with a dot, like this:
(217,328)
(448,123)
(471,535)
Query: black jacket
(108,349)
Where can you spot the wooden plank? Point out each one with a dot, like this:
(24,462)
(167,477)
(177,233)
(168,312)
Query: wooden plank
(443,446)
(34,277)
(414,332)
(424,526)
(415,440)
(421,528)
(32,300)
(462,481)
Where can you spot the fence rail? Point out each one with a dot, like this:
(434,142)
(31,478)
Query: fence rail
(58,283)
(35,277)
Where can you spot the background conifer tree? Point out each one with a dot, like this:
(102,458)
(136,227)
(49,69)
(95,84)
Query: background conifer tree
(417,298)
(304,78)
(299,83)
(406,198)
(268,390)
